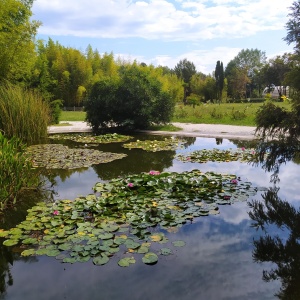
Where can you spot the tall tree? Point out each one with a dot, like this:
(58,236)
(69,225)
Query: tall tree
(185,70)
(219,75)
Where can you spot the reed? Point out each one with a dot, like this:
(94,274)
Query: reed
(16,171)
(23,113)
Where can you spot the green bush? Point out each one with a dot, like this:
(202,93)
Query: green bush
(24,114)
(16,171)
(134,99)
(55,108)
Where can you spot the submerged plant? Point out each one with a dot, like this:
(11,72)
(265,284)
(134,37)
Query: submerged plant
(124,218)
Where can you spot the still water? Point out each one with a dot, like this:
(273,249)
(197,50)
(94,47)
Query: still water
(216,262)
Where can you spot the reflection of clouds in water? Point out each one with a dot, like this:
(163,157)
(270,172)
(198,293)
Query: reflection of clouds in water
(216,263)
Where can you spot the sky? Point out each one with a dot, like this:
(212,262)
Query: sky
(163,32)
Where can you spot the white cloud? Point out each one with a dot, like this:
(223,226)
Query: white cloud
(160,19)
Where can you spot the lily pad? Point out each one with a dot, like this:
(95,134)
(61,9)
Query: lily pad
(126,261)
(101,260)
(150,258)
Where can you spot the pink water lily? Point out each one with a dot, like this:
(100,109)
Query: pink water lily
(243,148)
(130,185)
(56,212)
(152,172)
(234,181)
(227,197)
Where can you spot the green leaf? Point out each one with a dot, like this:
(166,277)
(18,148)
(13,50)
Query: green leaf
(100,260)
(126,261)
(150,258)
(178,243)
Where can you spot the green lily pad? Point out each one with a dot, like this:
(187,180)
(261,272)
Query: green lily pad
(150,258)
(178,243)
(10,242)
(126,261)
(28,252)
(101,260)
(165,251)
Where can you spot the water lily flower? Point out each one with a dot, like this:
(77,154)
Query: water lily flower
(152,172)
(243,148)
(56,212)
(234,181)
(227,197)
(130,185)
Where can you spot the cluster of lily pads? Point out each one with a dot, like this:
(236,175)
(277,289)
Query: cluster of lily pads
(57,156)
(89,138)
(170,143)
(203,156)
(124,217)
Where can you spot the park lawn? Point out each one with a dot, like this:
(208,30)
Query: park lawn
(72,116)
(242,114)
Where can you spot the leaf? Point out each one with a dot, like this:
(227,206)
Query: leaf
(28,252)
(10,242)
(150,258)
(178,243)
(165,251)
(100,260)
(126,261)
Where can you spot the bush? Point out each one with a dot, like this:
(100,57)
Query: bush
(134,100)
(24,114)
(15,172)
(55,108)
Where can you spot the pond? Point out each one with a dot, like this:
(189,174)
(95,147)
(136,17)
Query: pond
(216,262)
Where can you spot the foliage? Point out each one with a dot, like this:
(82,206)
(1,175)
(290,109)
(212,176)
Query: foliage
(203,156)
(15,172)
(154,145)
(58,156)
(24,114)
(16,40)
(185,71)
(133,100)
(92,139)
(55,108)
(292,25)
(219,75)
(122,218)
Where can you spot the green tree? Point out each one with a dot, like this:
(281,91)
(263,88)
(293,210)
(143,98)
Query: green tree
(293,26)
(133,99)
(185,71)
(16,39)
(219,75)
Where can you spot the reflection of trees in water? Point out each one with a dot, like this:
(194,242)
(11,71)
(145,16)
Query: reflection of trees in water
(136,162)
(219,141)
(243,143)
(283,251)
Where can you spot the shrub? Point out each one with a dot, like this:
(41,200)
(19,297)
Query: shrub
(55,108)
(15,172)
(135,99)
(24,114)
(237,114)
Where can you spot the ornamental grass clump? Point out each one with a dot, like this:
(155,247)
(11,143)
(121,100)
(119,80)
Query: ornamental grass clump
(15,172)
(24,114)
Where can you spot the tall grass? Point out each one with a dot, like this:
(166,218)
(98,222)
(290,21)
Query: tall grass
(23,113)
(15,172)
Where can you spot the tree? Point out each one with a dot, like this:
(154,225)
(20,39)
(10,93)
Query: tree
(16,39)
(219,75)
(293,26)
(185,70)
(134,99)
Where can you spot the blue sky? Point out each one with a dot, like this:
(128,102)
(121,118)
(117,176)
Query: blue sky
(163,32)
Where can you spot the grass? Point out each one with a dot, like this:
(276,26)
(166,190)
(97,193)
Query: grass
(72,116)
(242,114)
(24,114)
